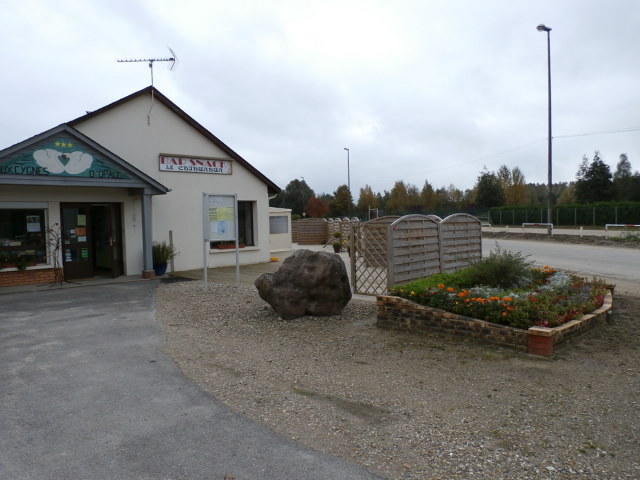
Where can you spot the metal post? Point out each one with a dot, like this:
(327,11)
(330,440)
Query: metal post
(205,242)
(550,137)
(235,209)
(348,180)
(544,28)
(147,236)
(172,263)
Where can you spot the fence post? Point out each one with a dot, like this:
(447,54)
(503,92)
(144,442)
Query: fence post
(615,209)
(513,217)
(389,257)
(575,216)
(594,216)
(500,217)
(541,216)
(557,216)
(354,259)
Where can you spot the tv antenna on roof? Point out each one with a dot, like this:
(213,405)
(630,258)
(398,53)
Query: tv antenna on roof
(173,58)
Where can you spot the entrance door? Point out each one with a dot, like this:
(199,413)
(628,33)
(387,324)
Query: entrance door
(92,240)
(107,238)
(77,257)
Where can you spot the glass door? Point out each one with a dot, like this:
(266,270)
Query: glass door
(77,254)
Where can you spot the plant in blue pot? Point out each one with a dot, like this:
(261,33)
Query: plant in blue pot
(162,255)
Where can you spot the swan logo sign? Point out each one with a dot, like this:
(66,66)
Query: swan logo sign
(61,157)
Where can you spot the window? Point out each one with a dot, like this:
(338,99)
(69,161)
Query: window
(22,237)
(246,234)
(245,223)
(279,224)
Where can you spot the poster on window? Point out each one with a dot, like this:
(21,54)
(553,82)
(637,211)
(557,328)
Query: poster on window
(33,223)
(221,217)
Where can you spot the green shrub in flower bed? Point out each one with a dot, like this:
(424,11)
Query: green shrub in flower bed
(532,297)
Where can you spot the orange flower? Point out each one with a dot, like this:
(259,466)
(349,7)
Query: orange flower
(507,299)
(494,299)
(463,293)
(441,286)
(504,314)
(510,308)
(451,289)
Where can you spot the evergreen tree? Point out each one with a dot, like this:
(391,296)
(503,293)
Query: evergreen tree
(593,182)
(625,183)
(295,196)
(342,203)
(427,197)
(489,191)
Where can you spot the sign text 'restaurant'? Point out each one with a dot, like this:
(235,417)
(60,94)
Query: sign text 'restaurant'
(171,163)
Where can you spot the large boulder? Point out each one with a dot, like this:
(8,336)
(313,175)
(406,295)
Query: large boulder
(307,283)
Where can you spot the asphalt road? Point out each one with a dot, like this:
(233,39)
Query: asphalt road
(87,393)
(618,265)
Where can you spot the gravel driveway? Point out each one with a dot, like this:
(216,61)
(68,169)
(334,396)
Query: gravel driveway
(410,407)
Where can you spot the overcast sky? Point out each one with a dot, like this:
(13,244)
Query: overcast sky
(424,90)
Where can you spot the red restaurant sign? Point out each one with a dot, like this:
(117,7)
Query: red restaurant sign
(173,163)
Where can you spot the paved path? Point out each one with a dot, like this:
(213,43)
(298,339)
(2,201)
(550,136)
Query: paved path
(619,265)
(87,393)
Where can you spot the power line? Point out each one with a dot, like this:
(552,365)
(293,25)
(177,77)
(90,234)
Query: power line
(604,132)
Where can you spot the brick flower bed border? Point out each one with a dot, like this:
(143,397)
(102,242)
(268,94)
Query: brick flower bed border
(398,313)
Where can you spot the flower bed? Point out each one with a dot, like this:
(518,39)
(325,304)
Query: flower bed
(523,306)
(549,300)
(401,314)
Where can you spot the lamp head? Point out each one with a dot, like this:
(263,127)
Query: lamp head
(345,148)
(543,28)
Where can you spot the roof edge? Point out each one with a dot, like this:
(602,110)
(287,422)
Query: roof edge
(272,188)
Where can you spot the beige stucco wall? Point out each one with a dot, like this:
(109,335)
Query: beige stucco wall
(124,131)
(53,196)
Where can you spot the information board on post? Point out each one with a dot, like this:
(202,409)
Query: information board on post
(220,223)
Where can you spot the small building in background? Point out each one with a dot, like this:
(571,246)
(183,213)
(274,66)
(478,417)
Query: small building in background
(280,229)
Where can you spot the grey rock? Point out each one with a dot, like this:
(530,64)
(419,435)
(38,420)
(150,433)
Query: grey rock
(307,283)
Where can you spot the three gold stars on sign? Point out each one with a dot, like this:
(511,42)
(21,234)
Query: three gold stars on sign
(63,144)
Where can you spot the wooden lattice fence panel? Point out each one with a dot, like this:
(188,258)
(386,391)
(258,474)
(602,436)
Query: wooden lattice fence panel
(309,231)
(460,241)
(369,258)
(415,248)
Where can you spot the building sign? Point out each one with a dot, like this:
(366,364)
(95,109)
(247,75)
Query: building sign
(221,217)
(176,163)
(61,157)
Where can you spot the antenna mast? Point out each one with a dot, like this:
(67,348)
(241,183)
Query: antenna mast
(151,61)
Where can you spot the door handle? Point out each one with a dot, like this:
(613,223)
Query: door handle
(111,241)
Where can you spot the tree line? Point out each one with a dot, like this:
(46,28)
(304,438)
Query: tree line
(594,182)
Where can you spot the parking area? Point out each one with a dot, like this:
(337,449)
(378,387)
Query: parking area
(86,391)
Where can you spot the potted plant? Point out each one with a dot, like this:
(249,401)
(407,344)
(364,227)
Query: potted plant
(162,254)
(337,242)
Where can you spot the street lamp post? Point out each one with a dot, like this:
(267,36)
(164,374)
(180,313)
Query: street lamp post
(544,28)
(348,178)
(348,172)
